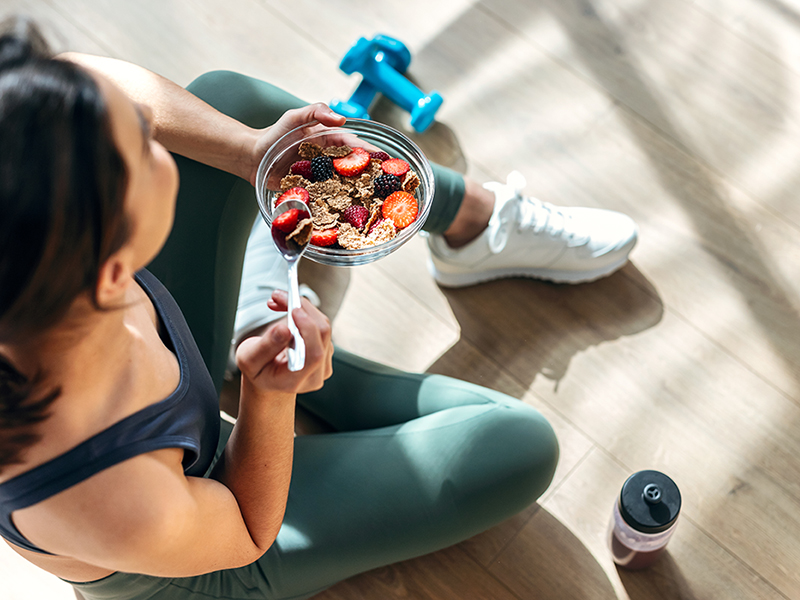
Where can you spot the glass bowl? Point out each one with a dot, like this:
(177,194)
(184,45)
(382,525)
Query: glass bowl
(355,132)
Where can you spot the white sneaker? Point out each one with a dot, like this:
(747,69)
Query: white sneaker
(529,238)
(263,272)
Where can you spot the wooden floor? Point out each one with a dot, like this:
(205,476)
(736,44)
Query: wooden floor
(684,114)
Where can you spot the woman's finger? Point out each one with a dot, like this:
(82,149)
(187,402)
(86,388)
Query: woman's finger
(320,319)
(254,353)
(310,333)
(323,113)
(279,301)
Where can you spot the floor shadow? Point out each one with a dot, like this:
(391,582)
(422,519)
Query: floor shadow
(740,253)
(663,581)
(550,323)
(784,10)
(549,562)
(439,142)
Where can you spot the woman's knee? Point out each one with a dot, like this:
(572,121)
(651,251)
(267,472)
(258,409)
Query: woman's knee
(519,448)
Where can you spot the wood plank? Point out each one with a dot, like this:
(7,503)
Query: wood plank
(382,321)
(568,536)
(60,32)
(728,472)
(180,39)
(723,100)
(716,257)
(343,22)
(686,360)
(449,573)
(738,247)
(773,26)
(711,433)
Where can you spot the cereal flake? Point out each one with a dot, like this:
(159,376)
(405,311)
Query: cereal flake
(302,233)
(291,181)
(410,182)
(308,150)
(337,151)
(383,232)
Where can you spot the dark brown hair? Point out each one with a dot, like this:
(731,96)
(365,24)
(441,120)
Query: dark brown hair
(62,188)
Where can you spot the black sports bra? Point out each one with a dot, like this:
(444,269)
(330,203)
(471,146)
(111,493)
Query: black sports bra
(188,418)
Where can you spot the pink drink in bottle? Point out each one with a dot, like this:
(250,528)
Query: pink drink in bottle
(644,519)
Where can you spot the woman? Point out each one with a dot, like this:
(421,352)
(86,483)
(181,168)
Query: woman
(116,472)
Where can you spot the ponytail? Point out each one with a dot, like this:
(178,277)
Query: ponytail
(18,414)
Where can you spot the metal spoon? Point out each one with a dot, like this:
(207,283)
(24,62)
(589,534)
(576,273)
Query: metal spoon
(291,245)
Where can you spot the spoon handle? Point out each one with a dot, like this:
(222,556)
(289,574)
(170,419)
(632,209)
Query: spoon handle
(297,349)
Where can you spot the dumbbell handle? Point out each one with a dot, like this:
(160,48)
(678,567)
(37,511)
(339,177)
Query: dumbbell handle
(382,76)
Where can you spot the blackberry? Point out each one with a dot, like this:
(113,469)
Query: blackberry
(322,168)
(386,184)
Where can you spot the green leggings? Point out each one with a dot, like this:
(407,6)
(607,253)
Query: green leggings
(416,463)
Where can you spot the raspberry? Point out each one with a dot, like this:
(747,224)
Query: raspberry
(302,168)
(379,155)
(356,215)
(386,183)
(322,168)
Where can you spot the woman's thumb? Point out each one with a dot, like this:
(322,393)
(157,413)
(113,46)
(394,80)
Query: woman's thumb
(256,352)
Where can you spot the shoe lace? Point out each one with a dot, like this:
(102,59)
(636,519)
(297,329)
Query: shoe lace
(540,216)
(531,215)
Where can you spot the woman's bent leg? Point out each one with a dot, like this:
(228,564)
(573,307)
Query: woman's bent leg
(422,462)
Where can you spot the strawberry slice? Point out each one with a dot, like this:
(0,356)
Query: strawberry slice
(401,208)
(324,237)
(395,166)
(352,164)
(287,221)
(295,193)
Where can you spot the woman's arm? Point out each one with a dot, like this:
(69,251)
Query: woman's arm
(186,125)
(257,463)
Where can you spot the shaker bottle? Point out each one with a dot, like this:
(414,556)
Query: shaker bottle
(644,518)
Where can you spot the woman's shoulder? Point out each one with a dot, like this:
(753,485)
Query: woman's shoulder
(108,510)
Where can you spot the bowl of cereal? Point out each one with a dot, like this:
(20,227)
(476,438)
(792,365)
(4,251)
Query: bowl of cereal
(368,188)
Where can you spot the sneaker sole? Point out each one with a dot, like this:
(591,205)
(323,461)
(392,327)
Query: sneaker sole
(455,280)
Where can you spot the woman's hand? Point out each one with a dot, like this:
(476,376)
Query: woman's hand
(290,120)
(263,360)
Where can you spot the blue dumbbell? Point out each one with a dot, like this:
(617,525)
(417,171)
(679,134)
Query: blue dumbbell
(382,62)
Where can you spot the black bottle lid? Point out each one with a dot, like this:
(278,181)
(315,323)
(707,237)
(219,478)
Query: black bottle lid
(649,501)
